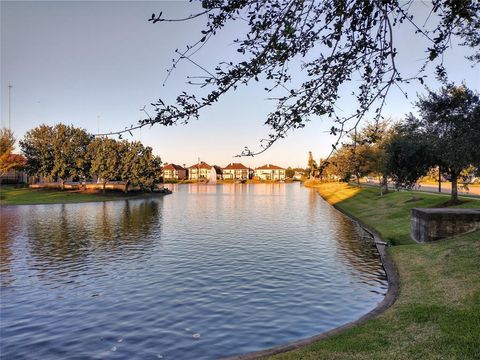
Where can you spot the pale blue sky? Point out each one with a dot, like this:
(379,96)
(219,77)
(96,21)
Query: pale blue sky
(94,64)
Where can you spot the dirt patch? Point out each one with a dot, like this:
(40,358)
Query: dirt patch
(414,199)
(452,203)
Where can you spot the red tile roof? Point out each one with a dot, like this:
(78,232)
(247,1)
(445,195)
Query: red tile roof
(235,166)
(201,165)
(269,167)
(173,167)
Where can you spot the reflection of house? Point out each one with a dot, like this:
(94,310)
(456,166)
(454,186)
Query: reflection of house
(270,172)
(235,171)
(200,171)
(174,172)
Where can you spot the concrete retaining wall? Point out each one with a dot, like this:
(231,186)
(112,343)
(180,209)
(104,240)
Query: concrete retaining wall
(433,224)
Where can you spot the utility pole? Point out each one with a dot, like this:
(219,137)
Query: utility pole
(10,86)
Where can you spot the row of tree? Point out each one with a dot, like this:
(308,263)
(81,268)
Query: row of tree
(444,135)
(64,152)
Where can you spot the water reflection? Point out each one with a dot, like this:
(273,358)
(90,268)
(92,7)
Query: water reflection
(7,229)
(205,272)
(355,246)
(71,233)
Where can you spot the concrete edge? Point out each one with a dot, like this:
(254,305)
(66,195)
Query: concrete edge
(389,299)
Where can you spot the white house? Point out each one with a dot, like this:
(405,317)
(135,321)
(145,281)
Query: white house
(235,171)
(270,172)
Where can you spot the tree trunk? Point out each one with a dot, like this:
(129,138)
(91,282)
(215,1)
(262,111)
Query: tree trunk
(62,184)
(125,189)
(384,184)
(439,179)
(454,197)
(104,186)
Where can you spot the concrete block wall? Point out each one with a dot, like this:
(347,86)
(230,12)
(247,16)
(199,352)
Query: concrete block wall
(430,224)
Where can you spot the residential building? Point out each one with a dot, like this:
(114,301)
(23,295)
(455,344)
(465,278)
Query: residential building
(200,171)
(174,172)
(299,175)
(235,171)
(270,172)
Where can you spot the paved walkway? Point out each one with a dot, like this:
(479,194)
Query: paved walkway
(473,190)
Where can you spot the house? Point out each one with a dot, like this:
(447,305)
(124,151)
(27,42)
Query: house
(270,172)
(174,172)
(200,171)
(298,175)
(235,171)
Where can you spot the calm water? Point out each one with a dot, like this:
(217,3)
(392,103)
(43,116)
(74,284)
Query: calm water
(206,272)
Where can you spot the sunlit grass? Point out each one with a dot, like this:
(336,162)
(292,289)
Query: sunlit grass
(388,214)
(9,195)
(335,193)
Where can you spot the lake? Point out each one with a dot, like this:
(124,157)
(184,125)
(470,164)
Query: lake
(206,272)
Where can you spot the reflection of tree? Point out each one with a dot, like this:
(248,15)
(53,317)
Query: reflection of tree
(355,245)
(70,233)
(137,220)
(8,221)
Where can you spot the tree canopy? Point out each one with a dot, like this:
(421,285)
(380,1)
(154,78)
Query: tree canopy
(448,126)
(335,41)
(105,157)
(8,160)
(64,152)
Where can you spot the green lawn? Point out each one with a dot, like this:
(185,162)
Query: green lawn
(437,315)
(9,195)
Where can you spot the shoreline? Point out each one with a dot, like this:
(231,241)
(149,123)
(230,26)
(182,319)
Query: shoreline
(389,299)
(58,197)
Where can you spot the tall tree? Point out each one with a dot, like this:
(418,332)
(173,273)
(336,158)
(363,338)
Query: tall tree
(408,157)
(333,42)
(374,137)
(7,140)
(151,169)
(342,163)
(37,146)
(139,166)
(70,152)
(105,155)
(312,166)
(450,118)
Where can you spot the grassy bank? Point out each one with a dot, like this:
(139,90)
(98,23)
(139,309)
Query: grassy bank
(9,195)
(437,314)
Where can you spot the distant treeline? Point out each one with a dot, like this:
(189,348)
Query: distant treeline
(445,136)
(64,152)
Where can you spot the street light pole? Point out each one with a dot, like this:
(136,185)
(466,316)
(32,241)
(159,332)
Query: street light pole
(10,86)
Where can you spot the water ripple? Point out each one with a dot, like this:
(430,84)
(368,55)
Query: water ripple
(206,272)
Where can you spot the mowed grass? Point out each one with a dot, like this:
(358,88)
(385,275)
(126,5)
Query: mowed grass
(388,214)
(437,314)
(9,195)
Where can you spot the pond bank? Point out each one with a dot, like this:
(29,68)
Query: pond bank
(437,313)
(10,195)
